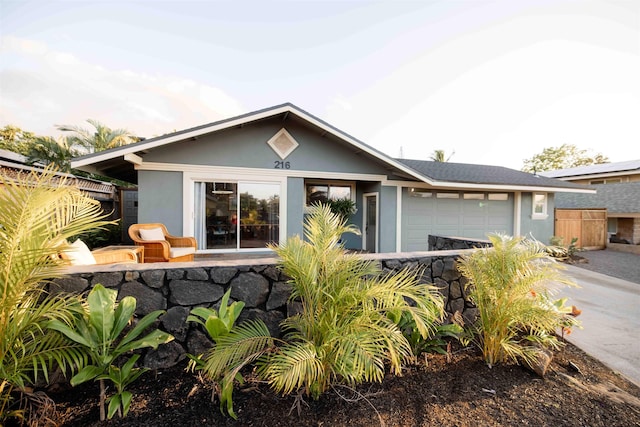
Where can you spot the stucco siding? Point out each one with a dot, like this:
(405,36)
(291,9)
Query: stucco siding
(160,199)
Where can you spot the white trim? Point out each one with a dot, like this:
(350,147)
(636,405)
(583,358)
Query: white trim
(364,220)
(260,173)
(272,143)
(133,158)
(398,219)
(245,119)
(445,185)
(539,215)
(188,189)
(517,213)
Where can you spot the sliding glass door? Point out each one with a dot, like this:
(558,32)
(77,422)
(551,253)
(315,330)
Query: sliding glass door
(236,215)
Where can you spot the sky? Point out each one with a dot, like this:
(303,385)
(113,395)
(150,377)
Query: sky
(488,82)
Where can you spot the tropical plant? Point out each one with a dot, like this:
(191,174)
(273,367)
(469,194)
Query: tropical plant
(98,331)
(439,156)
(51,151)
(343,333)
(100,138)
(437,341)
(218,324)
(38,212)
(512,285)
(344,207)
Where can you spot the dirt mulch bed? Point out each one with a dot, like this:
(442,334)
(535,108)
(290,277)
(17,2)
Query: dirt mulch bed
(459,390)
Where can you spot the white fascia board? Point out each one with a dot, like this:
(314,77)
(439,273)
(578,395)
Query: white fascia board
(264,173)
(158,142)
(243,120)
(444,185)
(621,174)
(360,145)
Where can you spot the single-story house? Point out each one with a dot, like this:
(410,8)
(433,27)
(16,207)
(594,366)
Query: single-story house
(239,183)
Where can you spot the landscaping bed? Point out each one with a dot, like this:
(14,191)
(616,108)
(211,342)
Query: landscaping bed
(455,390)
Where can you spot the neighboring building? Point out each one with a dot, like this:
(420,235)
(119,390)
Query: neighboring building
(240,183)
(605,173)
(618,191)
(13,164)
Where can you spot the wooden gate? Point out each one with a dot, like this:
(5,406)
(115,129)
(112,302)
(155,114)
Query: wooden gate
(588,225)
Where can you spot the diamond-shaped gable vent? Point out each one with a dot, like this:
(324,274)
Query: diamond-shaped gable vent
(283,143)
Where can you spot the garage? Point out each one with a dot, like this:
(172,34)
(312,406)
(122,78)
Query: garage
(451,213)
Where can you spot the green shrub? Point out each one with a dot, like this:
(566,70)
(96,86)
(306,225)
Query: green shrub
(512,285)
(38,212)
(344,333)
(99,331)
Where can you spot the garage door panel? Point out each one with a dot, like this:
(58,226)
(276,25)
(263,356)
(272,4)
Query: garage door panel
(471,218)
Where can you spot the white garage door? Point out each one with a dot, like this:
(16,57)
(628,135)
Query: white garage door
(458,214)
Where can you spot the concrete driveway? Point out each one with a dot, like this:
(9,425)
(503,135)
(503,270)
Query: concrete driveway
(610,320)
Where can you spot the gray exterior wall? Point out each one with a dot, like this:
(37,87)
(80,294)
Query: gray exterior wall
(540,229)
(387,221)
(160,199)
(247,147)
(295,206)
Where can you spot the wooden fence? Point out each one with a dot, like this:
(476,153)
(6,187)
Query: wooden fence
(588,225)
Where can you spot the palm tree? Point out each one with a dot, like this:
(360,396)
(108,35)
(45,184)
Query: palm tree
(57,152)
(100,139)
(38,213)
(439,156)
(344,333)
(512,286)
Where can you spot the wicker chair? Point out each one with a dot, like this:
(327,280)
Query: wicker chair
(169,249)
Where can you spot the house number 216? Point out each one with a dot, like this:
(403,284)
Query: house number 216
(278,164)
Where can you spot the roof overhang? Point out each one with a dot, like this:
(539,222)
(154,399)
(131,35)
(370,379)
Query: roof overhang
(123,162)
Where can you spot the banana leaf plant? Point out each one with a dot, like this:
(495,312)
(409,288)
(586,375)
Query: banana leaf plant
(99,331)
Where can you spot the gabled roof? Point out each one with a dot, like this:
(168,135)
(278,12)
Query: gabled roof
(484,174)
(621,198)
(119,162)
(604,168)
(13,165)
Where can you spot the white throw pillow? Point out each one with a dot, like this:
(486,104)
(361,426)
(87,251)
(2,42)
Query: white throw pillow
(79,254)
(151,234)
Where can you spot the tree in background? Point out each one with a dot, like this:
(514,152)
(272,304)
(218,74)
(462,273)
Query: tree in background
(98,139)
(12,138)
(563,157)
(439,156)
(50,151)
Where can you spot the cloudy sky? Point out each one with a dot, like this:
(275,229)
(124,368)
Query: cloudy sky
(494,82)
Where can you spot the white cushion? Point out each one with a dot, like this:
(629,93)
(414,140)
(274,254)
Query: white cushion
(178,252)
(151,234)
(79,254)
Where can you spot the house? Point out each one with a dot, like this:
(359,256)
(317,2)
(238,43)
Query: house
(239,183)
(618,191)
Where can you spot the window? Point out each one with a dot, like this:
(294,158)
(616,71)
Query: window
(498,196)
(539,206)
(448,195)
(321,192)
(473,196)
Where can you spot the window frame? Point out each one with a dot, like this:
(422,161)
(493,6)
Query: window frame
(328,184)
(545,203)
